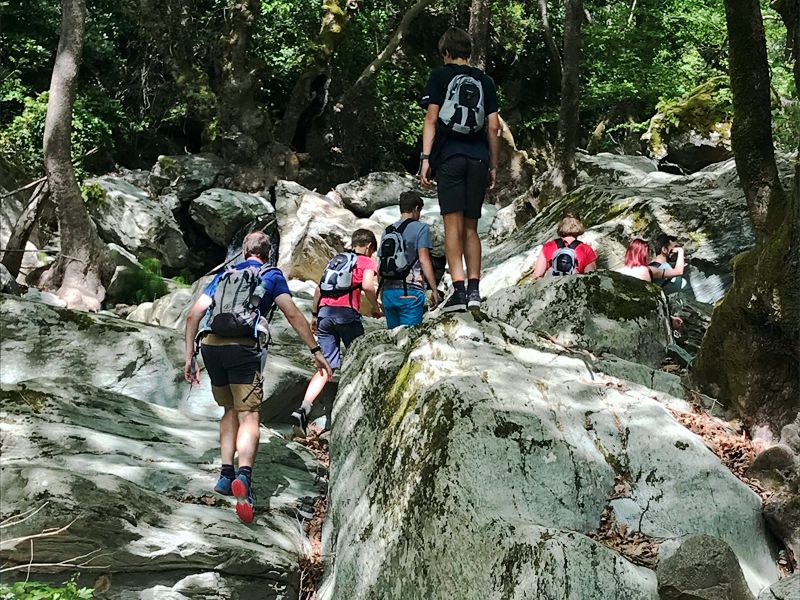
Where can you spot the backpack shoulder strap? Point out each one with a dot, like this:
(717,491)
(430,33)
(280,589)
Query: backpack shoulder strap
(575,244)
(560,243)
(402,227)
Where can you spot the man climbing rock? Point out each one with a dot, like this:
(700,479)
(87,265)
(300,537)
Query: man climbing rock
(405,265)
(233,310)
(460,148)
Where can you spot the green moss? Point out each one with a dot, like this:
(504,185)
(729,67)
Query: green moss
(681,445)
(402,396)
(166,163)
(627,300)
(37,401)
(137,285)
(701,109)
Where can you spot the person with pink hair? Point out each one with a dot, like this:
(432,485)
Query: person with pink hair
(636,260)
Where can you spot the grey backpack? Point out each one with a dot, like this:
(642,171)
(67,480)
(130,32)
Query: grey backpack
(235,310)
(463,112)
(337,278)
(565,260)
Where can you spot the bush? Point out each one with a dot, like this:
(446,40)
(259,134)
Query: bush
(37,590)
(135,286)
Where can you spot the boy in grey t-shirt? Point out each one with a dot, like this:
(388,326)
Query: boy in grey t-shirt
(404,301)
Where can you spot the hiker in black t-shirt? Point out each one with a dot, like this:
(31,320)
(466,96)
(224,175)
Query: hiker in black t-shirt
(460,147)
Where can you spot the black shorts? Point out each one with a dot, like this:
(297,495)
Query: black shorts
(461,185)
(235,373)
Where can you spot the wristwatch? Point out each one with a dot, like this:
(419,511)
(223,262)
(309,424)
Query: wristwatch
(424,156)
(316,349)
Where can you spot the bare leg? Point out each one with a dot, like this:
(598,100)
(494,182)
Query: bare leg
(228,430)
(314,389)
(472,248)
(454,244)
(247,439)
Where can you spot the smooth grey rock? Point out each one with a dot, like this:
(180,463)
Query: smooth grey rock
(787,588)
(222,213)
(186,175)
(599,312)
(8,284)
(130,217)
(486,454)
(782,512)
(790,435)
(312,230)
(36,295)
(703,568)
(779,457)
(375,191)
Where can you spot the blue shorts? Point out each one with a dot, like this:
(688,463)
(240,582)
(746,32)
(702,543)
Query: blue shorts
(401,309)
(337,325)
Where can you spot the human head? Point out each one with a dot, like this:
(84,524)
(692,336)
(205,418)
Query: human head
(665,243)
(411,203)
(570,226)
(258,244)
(636,254)
(455,43)
(364,238)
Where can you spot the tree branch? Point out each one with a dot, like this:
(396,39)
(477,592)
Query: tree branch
(385,54)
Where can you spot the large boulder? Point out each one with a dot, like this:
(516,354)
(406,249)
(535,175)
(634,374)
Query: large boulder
(693,131)
(185,176)
(375,191)
(785,589)
(703,568)
(8,285)
(129,216)
(706,210)
(222,213)
(313,228)
(486,455)
(600,312)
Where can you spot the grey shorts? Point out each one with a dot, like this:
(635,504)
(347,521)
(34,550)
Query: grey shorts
(337,325)
(461,185)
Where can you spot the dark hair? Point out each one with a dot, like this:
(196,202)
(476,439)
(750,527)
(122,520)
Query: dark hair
(663,240)
(570,225)
(456,43)
(363,237)
(410,200)
(258,244)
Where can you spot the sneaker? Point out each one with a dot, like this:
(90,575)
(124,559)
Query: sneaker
(244,499)
(457,302)
(473,299)
(300,426)
(223,485)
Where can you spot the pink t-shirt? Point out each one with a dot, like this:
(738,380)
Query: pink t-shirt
(364,263)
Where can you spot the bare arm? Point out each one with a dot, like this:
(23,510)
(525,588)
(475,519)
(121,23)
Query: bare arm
(592,266)
(494,147)
(541,266)
(428,135)
(192,325)
(299,323)
(368,285)
(676,271)
(427,270)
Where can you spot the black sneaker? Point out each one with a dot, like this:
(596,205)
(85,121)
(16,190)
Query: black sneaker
(473,299)
(300,425)
(457,302)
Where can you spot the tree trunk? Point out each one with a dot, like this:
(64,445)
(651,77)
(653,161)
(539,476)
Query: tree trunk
(312,86)
(241,126)
(789,10)
(15,248)
(480,17)
(552,48)
(84,267)
(386,54)
(750,357)
(564,173)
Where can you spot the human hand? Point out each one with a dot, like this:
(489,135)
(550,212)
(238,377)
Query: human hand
(377,313)
(425,173)
(322,365)
(314,325)
(492,179)
(191,371)
(434,302)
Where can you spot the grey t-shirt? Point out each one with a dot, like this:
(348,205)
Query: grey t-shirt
(416,235)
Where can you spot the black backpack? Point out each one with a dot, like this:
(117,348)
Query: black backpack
(565,259)
(463,113)
(394,263)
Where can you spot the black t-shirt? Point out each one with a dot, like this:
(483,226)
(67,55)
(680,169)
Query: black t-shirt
(435,91)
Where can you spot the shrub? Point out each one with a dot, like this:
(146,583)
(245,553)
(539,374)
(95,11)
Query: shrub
(37,590)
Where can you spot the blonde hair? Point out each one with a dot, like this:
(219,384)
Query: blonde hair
(570,225)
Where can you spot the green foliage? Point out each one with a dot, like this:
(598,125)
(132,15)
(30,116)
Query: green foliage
(185,278)
(709,103)
(93,194)
(35,590)
(135,286)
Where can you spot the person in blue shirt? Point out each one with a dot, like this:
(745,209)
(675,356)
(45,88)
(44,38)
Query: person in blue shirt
(235,364)
(404,301)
